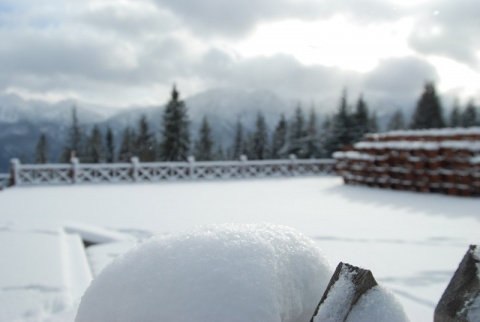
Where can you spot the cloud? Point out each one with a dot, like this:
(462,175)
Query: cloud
(399,77)
(450,29)
(224,18)
(107,50)
(393,80)
(281,72)
(129,19)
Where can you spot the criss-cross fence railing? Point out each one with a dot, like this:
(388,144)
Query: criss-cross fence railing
(75,172)
(4,180)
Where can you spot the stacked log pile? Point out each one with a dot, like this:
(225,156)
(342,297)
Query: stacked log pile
(444,160)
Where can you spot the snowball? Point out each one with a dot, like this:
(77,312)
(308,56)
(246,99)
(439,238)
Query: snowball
(250,273)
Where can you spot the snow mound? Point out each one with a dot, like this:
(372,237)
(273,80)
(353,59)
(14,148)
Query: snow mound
(258,272)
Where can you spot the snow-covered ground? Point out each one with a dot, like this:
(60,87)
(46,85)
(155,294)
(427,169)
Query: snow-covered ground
(412,242)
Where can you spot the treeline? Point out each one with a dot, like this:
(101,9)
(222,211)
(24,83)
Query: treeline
(301,134)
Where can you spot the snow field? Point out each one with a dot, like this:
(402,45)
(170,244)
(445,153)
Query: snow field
(411,242)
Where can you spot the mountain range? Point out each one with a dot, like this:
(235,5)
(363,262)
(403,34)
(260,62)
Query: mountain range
(22,121)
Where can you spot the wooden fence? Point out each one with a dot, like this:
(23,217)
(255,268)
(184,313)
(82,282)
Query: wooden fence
(75,172)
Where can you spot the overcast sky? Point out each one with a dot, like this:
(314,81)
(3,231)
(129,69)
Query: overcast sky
(122,52)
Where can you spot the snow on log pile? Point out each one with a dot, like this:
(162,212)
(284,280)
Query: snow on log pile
(439,160)
(259,272)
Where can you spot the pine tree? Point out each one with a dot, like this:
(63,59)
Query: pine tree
(145,141)
(428,113)
(469,115)
(239,144)
(41,151)
(360,120)
(341,125)
(455,119)
(94,150)
(297,133)
(259,149)
(175,145)
(127,146)
(327,143)
(373,123)
(312,142)
(397,121)
(204,145)
(110,147)
(219,154)
(74,144)
(298,125)
(280,139)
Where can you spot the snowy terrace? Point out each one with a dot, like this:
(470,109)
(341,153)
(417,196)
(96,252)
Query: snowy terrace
(411,242)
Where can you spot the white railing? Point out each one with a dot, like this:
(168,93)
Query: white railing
(75,172)
(4,180)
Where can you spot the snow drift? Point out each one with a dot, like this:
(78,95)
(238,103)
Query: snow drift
(258,272)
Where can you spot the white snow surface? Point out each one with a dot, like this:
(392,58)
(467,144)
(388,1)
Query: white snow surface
(412,242)
(258,272)
(474,310)
(428,132)
(336,305)
(420,145)
(377,304)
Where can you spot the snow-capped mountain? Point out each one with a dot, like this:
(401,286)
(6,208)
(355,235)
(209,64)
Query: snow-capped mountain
(14,109)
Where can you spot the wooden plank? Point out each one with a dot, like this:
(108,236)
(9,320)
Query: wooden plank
(463,289)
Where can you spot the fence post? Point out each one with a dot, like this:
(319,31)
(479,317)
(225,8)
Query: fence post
(134,161)
(293,161)
(14,168)
(191,166)
(243,161)
(74,162)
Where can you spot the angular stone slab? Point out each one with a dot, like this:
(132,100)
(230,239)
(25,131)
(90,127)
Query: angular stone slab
(362,281)
(461,298)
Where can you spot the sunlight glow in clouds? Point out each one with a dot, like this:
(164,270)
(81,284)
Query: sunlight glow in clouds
(335,42)
(454,76)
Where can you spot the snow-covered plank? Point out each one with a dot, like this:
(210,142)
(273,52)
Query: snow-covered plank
(95,235)
(76,268)
(32,284)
